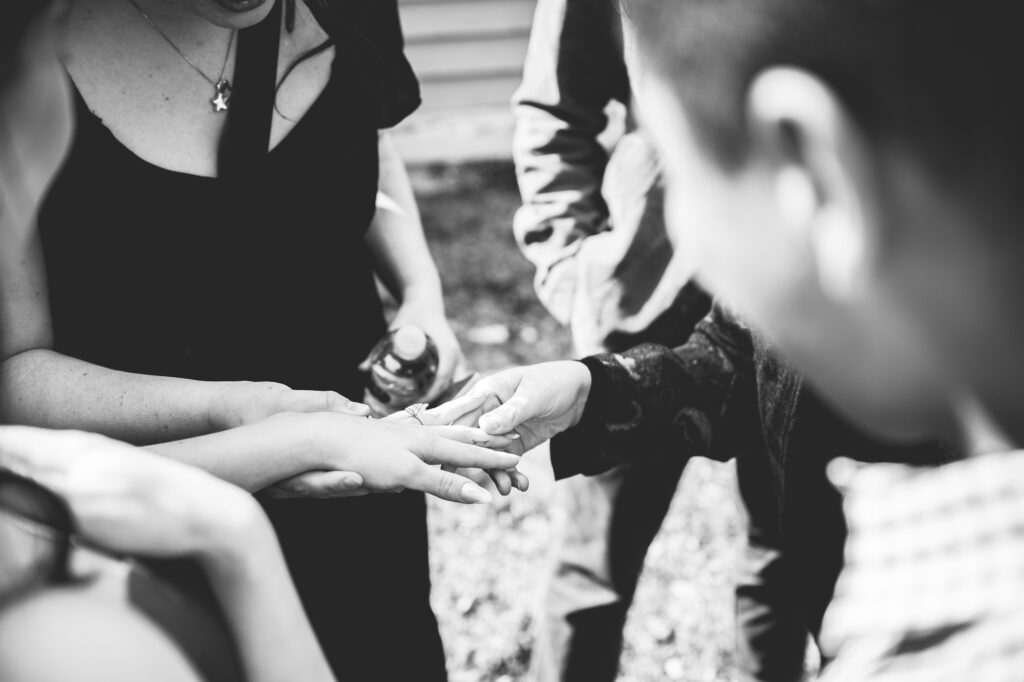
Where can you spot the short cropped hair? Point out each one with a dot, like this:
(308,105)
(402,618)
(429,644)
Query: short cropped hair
(940,77)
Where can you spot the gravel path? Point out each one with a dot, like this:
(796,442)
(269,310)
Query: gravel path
(490,562)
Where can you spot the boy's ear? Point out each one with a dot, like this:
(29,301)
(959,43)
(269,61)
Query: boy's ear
(818,164)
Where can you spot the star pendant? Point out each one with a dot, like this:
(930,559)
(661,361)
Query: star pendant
(220,102)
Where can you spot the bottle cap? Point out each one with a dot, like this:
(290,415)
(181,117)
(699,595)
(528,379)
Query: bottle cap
(410,342)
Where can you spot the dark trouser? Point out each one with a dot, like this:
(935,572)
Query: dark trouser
(771,633)
(610,521)
(771,640)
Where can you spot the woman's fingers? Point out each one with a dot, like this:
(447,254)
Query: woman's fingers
(468,406)
(319,484)
(448,486)
(519,480)
(446,445)
(502,481)
(319,401)
(480,477)
(474,436)
(443,379)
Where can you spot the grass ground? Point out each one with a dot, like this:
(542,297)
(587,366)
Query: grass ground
(490,562)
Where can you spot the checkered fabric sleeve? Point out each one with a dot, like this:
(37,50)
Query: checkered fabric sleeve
(933,586)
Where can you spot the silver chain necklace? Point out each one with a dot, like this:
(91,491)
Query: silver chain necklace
(221,86)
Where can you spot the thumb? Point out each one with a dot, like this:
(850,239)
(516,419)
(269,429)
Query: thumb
(462,410)
(507,417)
(451,487)
(317,484)
(335,402)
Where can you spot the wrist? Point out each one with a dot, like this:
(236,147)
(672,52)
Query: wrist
(222,400)
(235,538)
(295,442)
(324,437)
(584,381)
(424,294)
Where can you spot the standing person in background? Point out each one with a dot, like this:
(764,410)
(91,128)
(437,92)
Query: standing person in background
(592,223)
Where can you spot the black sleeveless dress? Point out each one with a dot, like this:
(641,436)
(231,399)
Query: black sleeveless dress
(265,278)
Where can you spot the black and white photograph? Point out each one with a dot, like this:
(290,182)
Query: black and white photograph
(511,341)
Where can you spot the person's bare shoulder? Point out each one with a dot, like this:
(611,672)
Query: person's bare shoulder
(73,633)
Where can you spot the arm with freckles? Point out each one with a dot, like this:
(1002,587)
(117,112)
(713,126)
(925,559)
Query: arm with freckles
(347,453)
(42,387)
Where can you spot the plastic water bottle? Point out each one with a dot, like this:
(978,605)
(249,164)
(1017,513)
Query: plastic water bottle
(402,368)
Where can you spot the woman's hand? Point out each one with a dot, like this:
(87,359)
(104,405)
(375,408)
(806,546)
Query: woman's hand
(237,403)
(430,317)
(127,500)
(391,456)
(427,313)
(466,414)
(330,484)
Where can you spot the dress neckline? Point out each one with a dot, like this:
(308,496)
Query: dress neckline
(85,111)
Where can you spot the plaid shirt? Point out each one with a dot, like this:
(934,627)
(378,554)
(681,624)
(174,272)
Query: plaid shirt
(933,588)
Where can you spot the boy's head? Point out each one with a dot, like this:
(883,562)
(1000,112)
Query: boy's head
(850,175)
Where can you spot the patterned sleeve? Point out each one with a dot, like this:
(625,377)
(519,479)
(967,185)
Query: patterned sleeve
(653,401)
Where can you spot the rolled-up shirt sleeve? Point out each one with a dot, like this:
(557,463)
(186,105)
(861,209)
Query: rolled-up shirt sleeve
(574,69)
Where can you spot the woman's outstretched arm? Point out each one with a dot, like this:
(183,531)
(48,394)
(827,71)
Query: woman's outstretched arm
(378,455)
(41,387)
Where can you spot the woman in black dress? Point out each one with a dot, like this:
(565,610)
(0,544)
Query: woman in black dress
(189,250)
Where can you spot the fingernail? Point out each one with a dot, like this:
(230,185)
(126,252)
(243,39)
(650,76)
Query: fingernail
(512,435)
(350,482)
(474,493)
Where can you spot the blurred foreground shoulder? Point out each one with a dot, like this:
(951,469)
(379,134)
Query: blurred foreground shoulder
(71,633)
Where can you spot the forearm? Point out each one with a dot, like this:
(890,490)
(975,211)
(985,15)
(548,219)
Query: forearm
(274,636)
(395,238)
(44,388)
(253,456)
